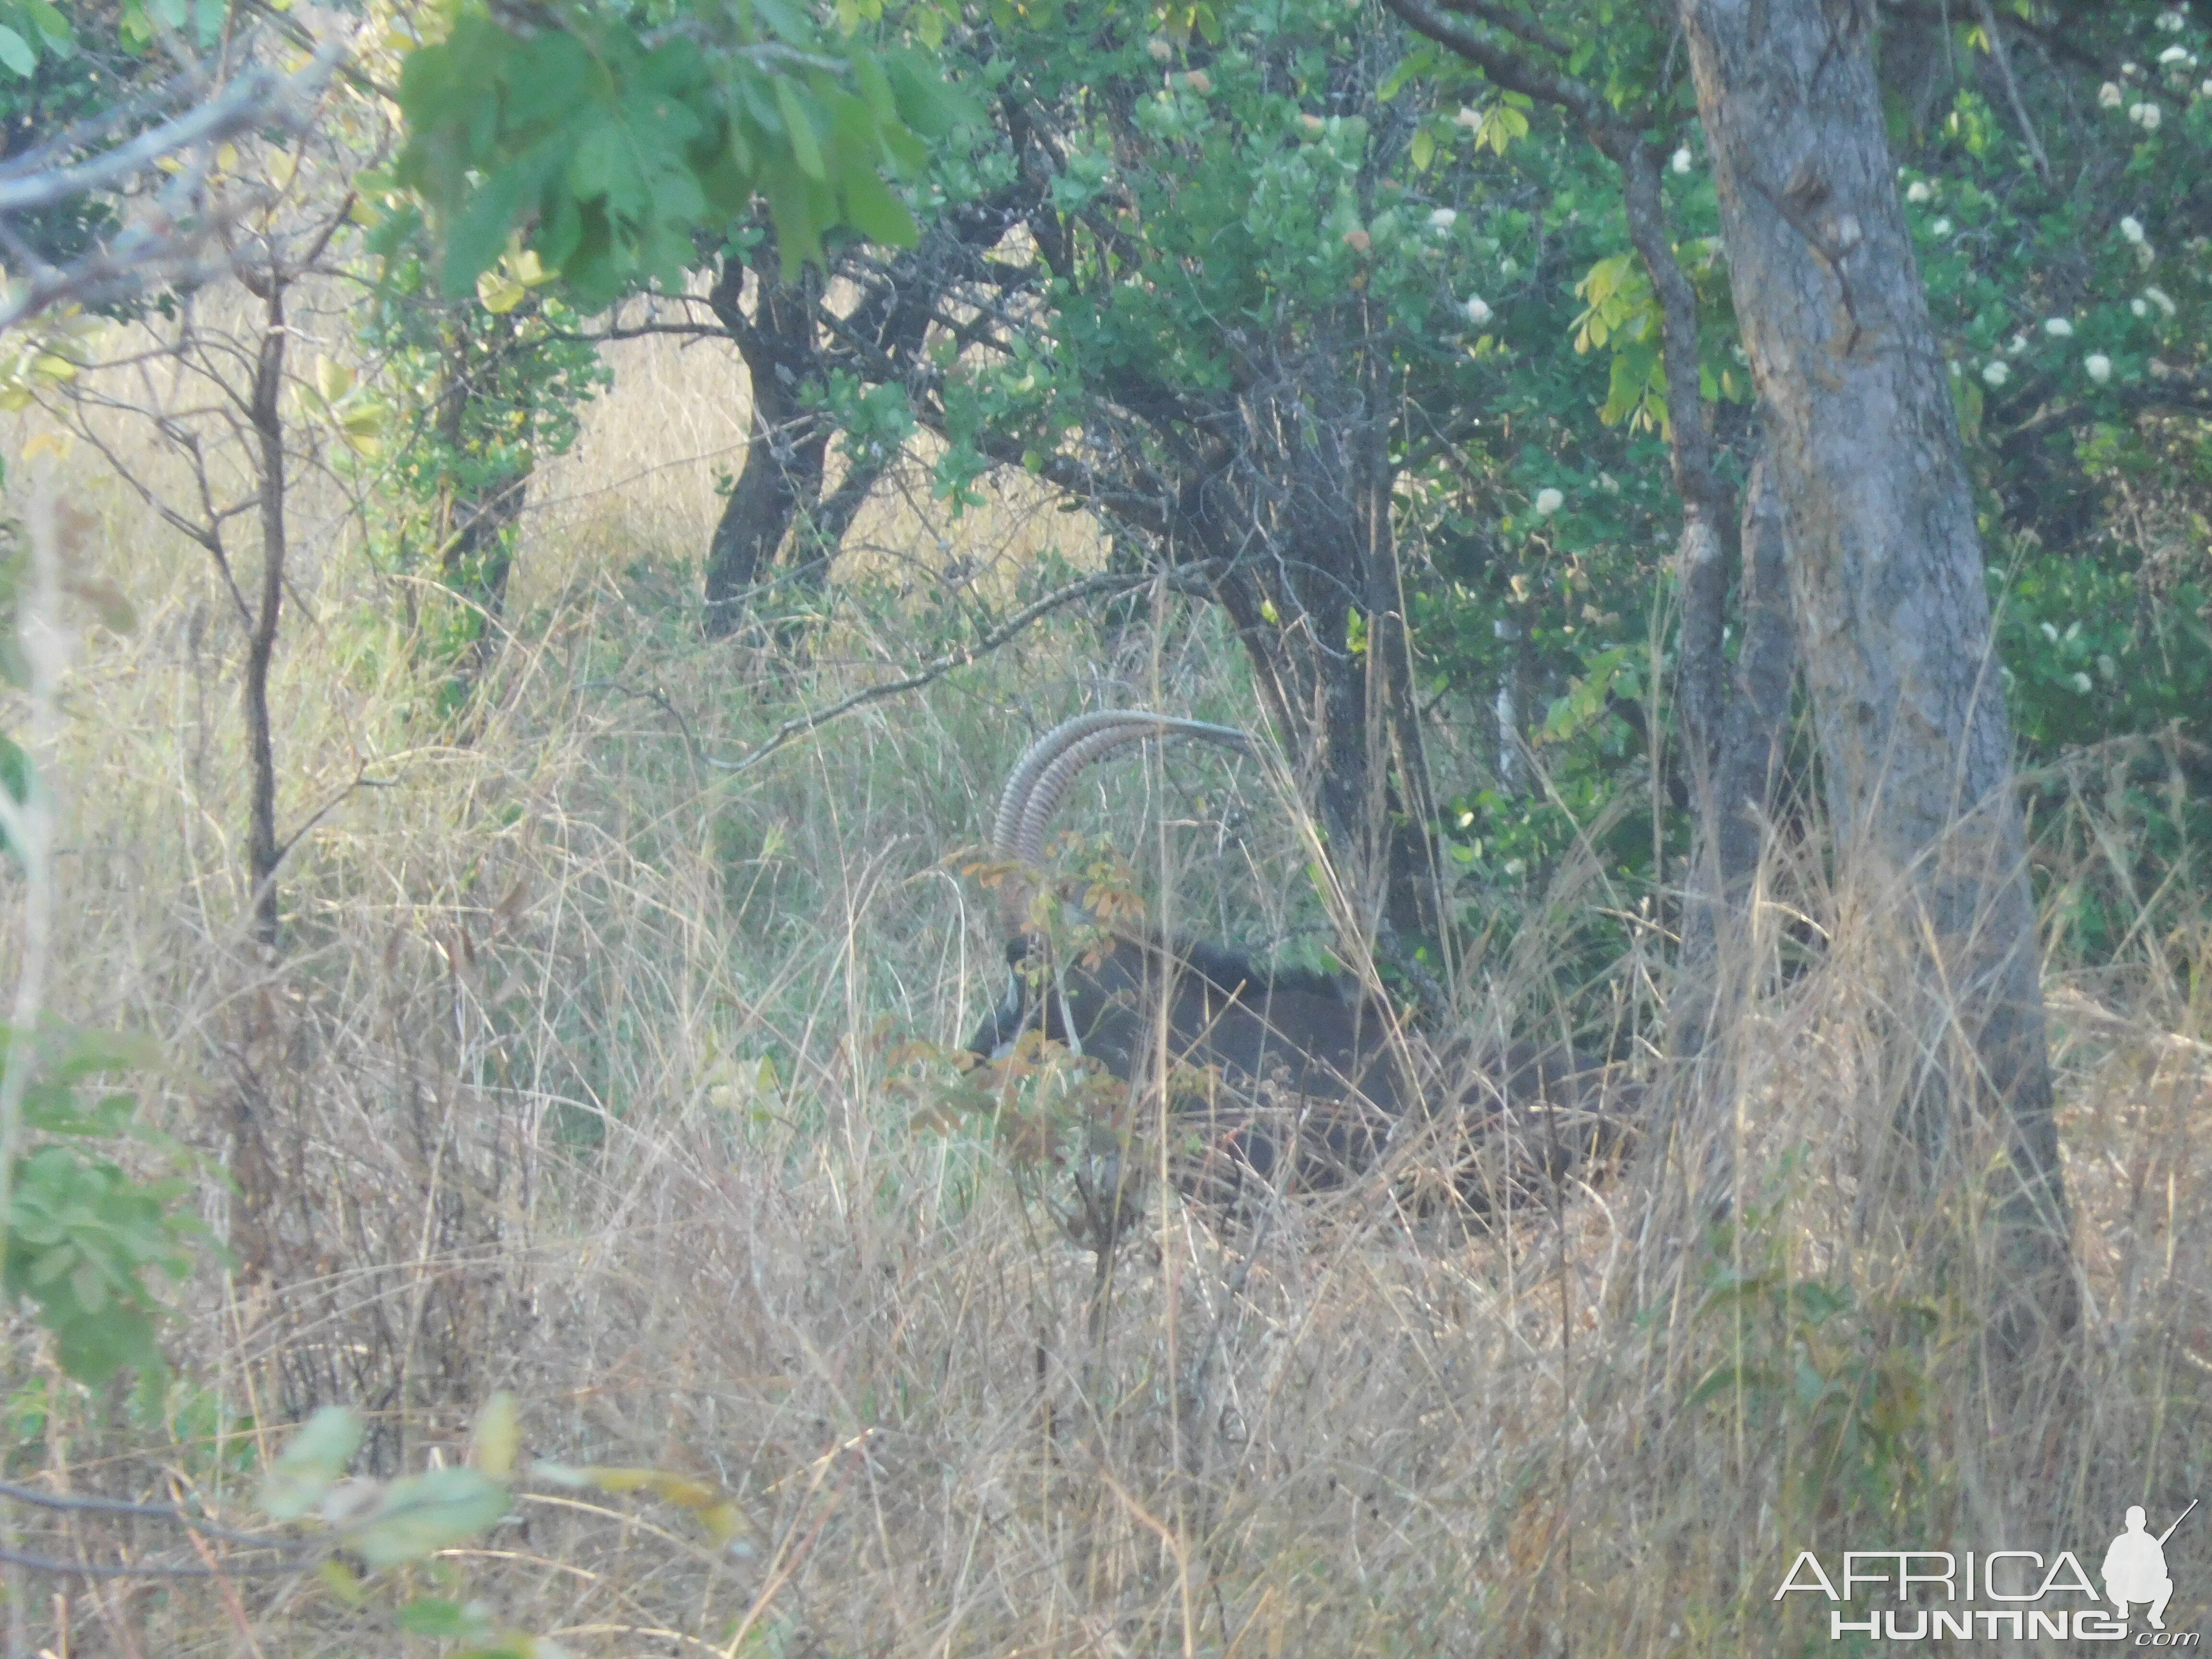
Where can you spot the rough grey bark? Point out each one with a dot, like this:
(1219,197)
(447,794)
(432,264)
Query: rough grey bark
(1742,770)
(1756,730)
(787,447)
(1736,761)
(265,414)
(1887,580)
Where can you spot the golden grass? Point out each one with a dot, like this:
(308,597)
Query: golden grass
(576,1080)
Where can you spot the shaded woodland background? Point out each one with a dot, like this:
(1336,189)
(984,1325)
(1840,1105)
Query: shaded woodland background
(550,1006)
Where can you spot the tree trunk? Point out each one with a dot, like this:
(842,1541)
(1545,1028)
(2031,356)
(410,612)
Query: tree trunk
(267,415)
(1739,783)
(1298,513)
(785,451)
(1886,578)
(478,526)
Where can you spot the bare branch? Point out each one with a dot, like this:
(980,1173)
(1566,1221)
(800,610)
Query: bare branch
(127,1570)
(1187,578)
(2012,89)
(176,226)
(85,1505)
(251,100)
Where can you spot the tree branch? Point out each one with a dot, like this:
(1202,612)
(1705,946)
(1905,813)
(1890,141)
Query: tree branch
(1186,579)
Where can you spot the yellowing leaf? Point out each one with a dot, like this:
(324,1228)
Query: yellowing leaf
(226,158)
(55,444)
(498,293)
(716,1511)
(527,268)
(282,166)
(498,1435)
(332,378)
(343,1582)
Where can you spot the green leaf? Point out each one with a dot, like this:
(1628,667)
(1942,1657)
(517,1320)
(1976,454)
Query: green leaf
(479,236)
(438,1615)
(15,52)
(317,1456)
(14,781)
(875,86)
(799,127)
(52,24)
(423,1514)
(875,211)
(1727,1378)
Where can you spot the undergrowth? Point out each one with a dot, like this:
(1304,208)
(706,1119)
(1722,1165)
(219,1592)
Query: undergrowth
(575,1077)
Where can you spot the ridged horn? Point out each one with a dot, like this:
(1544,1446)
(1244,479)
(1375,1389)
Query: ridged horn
(1048,768)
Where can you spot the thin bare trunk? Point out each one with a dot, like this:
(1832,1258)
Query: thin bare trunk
(1887,577)
(263,851)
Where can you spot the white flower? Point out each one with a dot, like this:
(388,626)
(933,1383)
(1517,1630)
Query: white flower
(2174,55)
(2080,682)
(1509,268)
(2019,344)
(2109,94)
(1955,371)
(2058,328)
(1918,191)
(1478,310)
(1442,219)
(2129,69)
(1681,161)
(1940,227)
(1471,118)
(2206,89)
(2160,298)
(2100,366)
(1995,372)
(1159,50)
(2139,308)
(2131,227)
(2145,116)
(1549,501)
(2170,20)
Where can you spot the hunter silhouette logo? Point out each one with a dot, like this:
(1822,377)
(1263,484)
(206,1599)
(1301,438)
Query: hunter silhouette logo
(2134,1567)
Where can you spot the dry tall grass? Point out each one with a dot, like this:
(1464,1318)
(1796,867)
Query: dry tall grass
(577,1079)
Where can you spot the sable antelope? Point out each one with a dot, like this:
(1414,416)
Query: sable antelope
(1259,1060)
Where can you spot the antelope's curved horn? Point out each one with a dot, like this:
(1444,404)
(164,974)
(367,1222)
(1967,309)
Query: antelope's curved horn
(1042,777)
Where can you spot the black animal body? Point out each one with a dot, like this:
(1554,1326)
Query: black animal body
(1273,1079)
